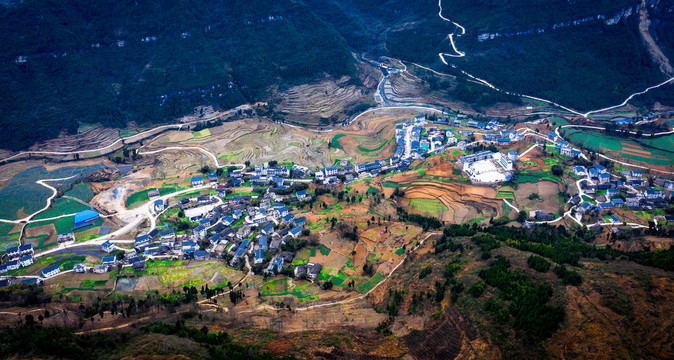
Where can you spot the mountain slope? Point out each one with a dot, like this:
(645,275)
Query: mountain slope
(80,61)
(584,54)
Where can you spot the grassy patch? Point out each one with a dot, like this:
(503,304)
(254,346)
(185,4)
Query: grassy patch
(325,251)
(400,251)
(334,143)
(432,206)
(368,285)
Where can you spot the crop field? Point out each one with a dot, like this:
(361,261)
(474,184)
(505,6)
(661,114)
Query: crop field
(334,142)
(23,196)
(369,284)
(140,197)
(630,150)
(431,206)
(81,191)
(325,251)
(303,290)
(62,207)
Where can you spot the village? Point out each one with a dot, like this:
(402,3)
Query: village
(263,231)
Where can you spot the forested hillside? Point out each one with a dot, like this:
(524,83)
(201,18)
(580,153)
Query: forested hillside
(584,54)
(151,61)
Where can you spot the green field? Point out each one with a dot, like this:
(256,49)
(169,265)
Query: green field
(372,190)
(368,285)
(377,148)
(81,191)
(334,143)
(62,207)
(202,133)
(660,150)
(325,251)
(140,197)
(431,206)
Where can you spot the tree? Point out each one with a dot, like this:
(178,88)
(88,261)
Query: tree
(522,216)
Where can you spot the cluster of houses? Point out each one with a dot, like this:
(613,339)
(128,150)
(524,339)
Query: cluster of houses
(629,189)
(18,257)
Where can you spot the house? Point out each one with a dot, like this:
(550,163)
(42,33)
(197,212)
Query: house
(212,178)
(215,239)
(583,208)
(239,252)
(604,178)
(3,269)
(206,222)
(259,256)
(283,211)
(228,220)
(51,271)
(26,261)
(204,199)
(141,241)
(12,252)
(237,214)
(599,168)
(139,265)
(276,265)
(13,265)
(26,250)
(296,231)
(80,268)
(552,135)
(152,193)
(108,247)
(188,247)
(221,191)
(267,229)
(651,194)
(109,260)
(262,242)
(632,202)
(202,255)
(302,195)
(100,269)
(198,180)
(579,171)
(593,173)
(300,270)
(513,156)
(617,202)
(167,234)
(65,238)
(313,270)
(288,218)
(200,232)
(160,205)
(300,221)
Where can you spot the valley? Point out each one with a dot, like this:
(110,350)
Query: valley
(336,180)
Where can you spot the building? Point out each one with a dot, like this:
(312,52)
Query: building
(313,270)
(152,193)
(51,271)
(160,205)
(108,247)
(13,265)
(141,241)
(200,232)
(198,180)
(26,250)
(296,231)
(65,238)
(262,242)
(80,268)
(86,218)
(300,221)
(26,261)
(513,156)
(579,171)
(604,178)
(202,255)
(139,265)
(12,252)
(302,195)
(259,256)
(109,260)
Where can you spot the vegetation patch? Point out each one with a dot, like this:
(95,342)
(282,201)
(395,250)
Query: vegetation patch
(431,206)
(368,285)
